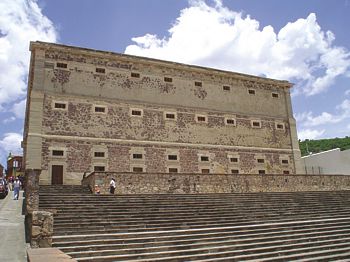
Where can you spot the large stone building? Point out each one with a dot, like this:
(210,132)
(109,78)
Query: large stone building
(94,110)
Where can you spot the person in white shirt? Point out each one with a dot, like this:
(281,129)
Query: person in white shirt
(112,186)
(16,187)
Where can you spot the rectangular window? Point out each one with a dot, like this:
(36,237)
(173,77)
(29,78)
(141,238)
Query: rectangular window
(136,112)
(256,124)
(100,109)
(251,91)
(57,152)
(226,88)
(137,156)
(230,121)
(100,70)
(285,172)
(275,95)
(197,83)
(233,159)
(204,158)
(133,74)
(137,169)
(172,157)
(173,170)
(261,160)
(201,119)
(99,168)
(285,161)
(168,79)
(234,171)
(262,172)
(205,171)
(279,126)
(61,65)
(170,116)
(99,154)
(60,105)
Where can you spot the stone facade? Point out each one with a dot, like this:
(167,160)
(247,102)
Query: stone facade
(93,110)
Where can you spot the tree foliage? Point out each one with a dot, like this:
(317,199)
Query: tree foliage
(315,146)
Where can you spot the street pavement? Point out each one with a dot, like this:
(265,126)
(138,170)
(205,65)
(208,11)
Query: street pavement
(12,230)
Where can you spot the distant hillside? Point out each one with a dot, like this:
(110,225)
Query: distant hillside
(316,146)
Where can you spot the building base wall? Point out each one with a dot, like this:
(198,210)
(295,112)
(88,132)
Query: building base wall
(157,183)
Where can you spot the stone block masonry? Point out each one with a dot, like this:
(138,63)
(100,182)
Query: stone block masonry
(92,110)
(160,183)
(42,229)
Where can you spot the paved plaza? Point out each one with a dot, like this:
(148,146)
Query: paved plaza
(12,240)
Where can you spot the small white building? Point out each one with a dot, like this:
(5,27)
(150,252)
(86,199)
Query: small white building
(328,162)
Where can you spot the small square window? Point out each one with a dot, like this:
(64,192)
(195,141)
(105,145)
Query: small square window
(262,172)
(275,95)
(170,116)
(136,112)
(201,119)
(205,171)
(61,65)
(256,124)
(226,88)
(233,159)
(100,109)
(261,160)
(230,121)
(285,172)
(137,156)
(172,157)
(99,154)
(280,126)
(99,168)
(137,169)
(168,79)
(60,105)
(57,152)
(251,91)
(285,161)
(100,70)
(234,171)
(196,83)
(173,170)
(204,158)
(136,75)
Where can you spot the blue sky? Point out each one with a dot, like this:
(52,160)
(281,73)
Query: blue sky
(304,42)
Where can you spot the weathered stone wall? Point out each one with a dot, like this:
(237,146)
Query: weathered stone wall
(79,158)
(129,82)
(32,190)
(132,183)
(42,229)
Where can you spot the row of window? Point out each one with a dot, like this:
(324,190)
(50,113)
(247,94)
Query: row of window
(226,88)
(172,116)
(137,169)
(170,157)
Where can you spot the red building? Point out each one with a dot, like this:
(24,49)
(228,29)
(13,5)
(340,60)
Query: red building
(14,166)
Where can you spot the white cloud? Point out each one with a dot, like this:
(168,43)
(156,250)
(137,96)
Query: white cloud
(21,21)
(8,120)
(307,119)
(11,142)
(19,109)
(217,37)
(310,134)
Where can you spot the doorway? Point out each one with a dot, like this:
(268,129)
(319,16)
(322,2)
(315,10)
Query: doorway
(57,175)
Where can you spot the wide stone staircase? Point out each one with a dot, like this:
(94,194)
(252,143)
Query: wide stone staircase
(298,226)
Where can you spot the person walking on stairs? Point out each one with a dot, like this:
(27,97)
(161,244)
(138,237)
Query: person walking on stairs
(112,186)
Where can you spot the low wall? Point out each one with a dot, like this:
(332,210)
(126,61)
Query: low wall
(158,183)
(47,254)
(42,229)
